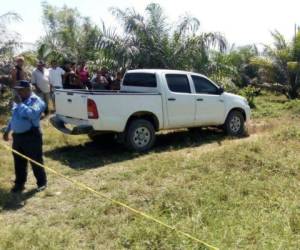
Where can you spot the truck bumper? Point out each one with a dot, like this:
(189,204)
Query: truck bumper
(60,124)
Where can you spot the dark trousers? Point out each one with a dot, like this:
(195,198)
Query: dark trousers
(30,144)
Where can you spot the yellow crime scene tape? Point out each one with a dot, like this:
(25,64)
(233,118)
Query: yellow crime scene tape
(99,194)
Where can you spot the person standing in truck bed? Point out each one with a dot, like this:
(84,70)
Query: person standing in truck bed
(71,79)
(56,75)
(99,82)
(116,83)
(83,74)
(40,79)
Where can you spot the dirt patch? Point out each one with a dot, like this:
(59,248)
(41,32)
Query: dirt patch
(260,126)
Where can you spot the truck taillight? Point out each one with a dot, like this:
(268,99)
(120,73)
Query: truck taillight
(92,109)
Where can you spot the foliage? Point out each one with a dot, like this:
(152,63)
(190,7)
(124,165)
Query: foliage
(8,43)
(235,64)
(250,93)
(147,41)
(5,98)
(156,45)
(227,84)
(8,39)
(280,63)
(68,35)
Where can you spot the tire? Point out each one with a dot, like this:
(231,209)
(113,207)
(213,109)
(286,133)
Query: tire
(235,124)
(140,135)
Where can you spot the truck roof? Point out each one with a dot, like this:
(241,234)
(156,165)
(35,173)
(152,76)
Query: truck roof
(170,71)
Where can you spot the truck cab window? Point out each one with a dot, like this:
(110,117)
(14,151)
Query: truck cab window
(178,83)
(140,80)
(204,86)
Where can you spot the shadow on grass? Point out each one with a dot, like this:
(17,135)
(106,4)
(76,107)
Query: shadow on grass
(93,155)
(10,201)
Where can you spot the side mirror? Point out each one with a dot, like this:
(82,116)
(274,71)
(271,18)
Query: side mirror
(220,90)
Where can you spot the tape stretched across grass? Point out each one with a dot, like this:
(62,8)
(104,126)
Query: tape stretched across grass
(99,194)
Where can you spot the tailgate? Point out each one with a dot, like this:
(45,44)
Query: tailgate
(71,104)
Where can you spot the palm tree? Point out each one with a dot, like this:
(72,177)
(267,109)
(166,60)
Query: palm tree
(8,42)
(280,63)
(8,39)
(145,35)
(159,46)
(68,35)
(235,64)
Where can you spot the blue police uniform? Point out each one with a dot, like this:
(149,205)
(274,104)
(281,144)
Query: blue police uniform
(26,115)
(27,139)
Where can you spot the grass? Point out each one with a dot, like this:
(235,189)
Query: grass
(234,194)
(273,106)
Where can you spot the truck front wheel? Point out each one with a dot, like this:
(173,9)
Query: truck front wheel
(140,135)
(235,124)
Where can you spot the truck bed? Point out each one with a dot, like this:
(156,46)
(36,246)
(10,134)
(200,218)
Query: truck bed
(105,92)
(114,107)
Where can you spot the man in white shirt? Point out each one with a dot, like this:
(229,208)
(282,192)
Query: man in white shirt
(40,79)
(55,78)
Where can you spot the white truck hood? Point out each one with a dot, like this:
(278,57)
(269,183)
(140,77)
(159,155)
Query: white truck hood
(236,97)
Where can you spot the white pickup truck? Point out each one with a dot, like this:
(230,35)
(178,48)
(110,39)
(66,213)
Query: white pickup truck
(149,101)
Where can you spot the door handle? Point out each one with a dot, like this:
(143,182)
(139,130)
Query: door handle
(171,99)
(69,100)
(199,99)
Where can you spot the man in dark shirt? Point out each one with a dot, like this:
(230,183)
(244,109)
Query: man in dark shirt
(115,85)
(105,74)
(71,79)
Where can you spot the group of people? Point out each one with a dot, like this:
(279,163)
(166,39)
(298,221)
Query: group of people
(69,76)
(28,107)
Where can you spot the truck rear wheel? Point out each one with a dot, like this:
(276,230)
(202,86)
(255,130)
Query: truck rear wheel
(140,135)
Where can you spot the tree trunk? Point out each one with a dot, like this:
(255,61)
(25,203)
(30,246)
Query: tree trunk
(293,91)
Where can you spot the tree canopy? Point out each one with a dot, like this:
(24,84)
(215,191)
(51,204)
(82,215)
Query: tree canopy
(149,40)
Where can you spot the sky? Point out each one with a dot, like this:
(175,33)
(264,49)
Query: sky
(242,22)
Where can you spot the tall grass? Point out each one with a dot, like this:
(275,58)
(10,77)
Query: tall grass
(234,194)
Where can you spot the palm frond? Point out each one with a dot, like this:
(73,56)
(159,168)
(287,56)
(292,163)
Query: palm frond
(188,24)
(279,40)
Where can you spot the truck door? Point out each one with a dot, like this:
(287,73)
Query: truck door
(180,101)
(210,107)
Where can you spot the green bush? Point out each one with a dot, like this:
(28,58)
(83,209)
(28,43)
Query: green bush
(228,85)
(250,93)
(4,106)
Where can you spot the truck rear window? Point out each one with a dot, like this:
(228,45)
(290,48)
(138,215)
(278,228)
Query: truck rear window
(178,83)
(140,80)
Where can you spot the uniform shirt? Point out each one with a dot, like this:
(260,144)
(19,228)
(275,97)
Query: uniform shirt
(55,77)
(26,114)
(41,79)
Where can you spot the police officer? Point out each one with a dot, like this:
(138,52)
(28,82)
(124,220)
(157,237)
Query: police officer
(27,137)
